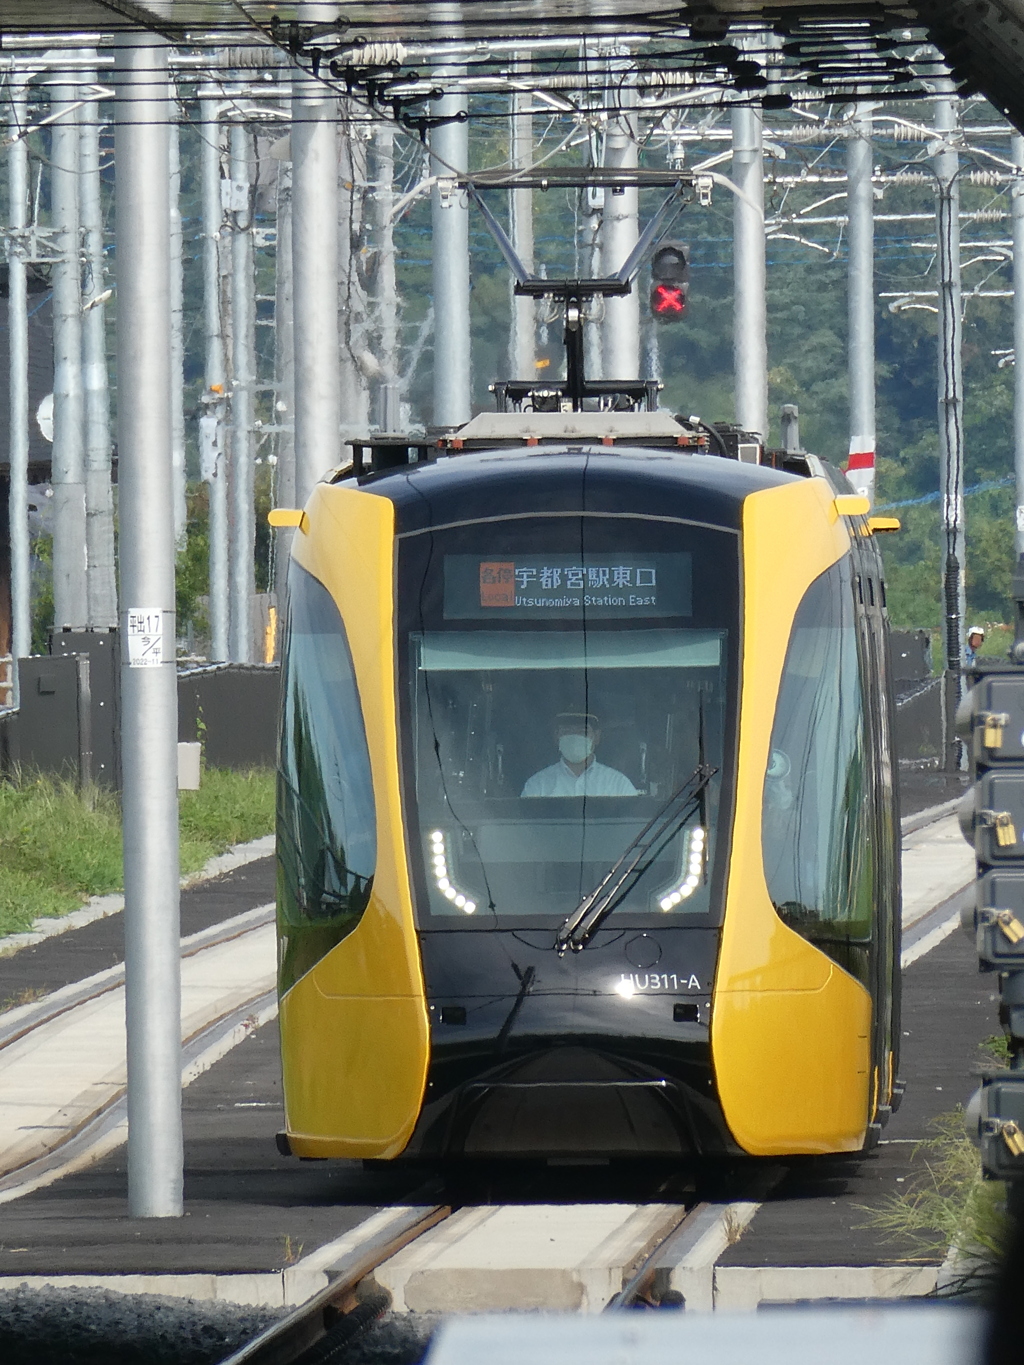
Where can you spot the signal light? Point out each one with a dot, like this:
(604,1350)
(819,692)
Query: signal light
(668,301)
(670,276)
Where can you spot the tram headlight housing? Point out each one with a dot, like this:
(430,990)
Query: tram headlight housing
(694,858)
(439,866)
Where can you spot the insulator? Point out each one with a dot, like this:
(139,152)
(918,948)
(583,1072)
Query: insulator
(374,54)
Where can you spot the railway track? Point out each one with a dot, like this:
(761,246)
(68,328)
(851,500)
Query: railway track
(72,1043)
(692,1235)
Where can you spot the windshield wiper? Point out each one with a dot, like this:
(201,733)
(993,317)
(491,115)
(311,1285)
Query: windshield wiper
(627,870)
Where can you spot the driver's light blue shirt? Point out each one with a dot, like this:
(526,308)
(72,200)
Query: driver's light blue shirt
(596,780)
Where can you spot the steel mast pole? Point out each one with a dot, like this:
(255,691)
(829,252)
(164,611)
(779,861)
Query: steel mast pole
(750,343)
(149,709)
(449,216)
(861,303)
(620,331)
(284,368)
(951,430)
(177,337)
(1017,217)
(315,277)
(70,600)
(211,430)
(390,406)
(352,304)
(242,572)
(99,493)
(523,342)
(17,326)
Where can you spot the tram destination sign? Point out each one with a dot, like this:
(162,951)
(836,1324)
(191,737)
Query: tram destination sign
(500,587)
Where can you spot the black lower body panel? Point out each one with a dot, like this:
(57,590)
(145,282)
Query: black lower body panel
(571,1097)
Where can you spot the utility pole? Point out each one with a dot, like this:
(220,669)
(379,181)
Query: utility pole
(750,343)
(70,599)
(449,216)
(314,275)
(522,359)
(389,414)
(861,302)
(99,492)
(177,336)
(951,429)
(242,573)
(212,424)
(1017,217)
(17,330)
(149,698)
(620,341)
(352,184)
(284,370)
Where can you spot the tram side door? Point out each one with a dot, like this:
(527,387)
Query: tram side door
(874,646)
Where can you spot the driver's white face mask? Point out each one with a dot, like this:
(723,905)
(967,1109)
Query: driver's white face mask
(575,748)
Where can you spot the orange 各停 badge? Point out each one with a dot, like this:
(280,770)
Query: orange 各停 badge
(497,584)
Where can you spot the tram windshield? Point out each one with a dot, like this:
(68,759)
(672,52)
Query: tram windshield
(542,748)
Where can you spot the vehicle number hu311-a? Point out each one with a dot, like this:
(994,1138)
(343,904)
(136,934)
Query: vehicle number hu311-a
(636,982)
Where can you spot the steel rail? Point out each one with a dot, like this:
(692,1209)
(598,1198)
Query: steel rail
(105,1128)
(287,1340)
(34,1015)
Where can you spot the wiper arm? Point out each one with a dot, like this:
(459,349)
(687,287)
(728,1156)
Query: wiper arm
(595,907)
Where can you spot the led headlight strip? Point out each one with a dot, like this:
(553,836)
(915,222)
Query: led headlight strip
(439,867)
(693,860)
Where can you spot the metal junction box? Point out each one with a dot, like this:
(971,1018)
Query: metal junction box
(998,816)
(1001,1125)
(999,920)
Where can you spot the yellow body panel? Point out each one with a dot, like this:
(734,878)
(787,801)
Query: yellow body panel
(790,1031)
(355,1034)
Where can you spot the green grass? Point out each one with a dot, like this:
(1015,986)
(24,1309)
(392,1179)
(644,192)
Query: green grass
(58,849)
(947,1204)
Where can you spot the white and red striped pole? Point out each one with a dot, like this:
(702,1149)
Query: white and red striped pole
(860,468)
(861,303)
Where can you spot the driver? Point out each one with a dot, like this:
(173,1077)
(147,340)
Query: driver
(577,772)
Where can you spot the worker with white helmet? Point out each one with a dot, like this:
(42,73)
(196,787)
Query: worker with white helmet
(975,640)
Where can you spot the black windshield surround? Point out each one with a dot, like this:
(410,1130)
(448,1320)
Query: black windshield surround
(507,717)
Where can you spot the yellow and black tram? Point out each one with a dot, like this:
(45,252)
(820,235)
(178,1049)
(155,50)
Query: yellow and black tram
(587,835)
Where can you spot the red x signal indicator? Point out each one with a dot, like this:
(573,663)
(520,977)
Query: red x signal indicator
(668,300)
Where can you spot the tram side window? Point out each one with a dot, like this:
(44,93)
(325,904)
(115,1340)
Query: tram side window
(327,839)
(816,814)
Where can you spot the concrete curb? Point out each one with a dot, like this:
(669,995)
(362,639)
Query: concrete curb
(930,930)
(287,1288)
(689,1257)
(271,1289)
(17,1021)
(743,1289)
(99,907)
(910,824)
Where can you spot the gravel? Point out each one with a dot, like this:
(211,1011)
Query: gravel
(394,1339)
(101,1327)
